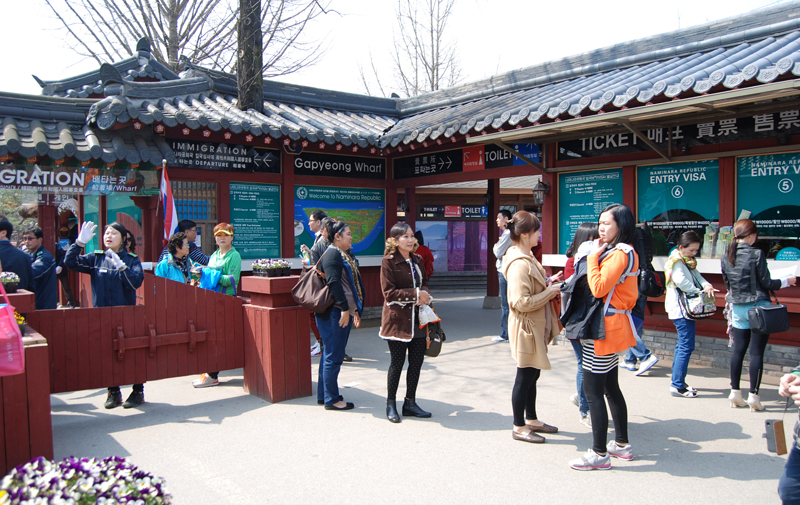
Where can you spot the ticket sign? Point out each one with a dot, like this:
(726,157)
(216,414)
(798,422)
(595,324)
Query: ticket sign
(255,216)
(581,198)
(679,195)
(769,187)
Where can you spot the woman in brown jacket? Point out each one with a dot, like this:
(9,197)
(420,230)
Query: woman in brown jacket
(405,287)
(532,324)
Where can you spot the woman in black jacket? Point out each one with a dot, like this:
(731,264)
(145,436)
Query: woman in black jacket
(744,270)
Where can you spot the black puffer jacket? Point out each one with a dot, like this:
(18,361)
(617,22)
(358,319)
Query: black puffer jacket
(749,280)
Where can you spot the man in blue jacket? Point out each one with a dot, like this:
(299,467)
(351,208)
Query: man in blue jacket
(12,259)
(45,282)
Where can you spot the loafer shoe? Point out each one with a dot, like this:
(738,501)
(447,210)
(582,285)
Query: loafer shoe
(349,406)
(529,437)
(544,428)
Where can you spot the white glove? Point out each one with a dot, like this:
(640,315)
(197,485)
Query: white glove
(86,234)
(58,270)
(115,260)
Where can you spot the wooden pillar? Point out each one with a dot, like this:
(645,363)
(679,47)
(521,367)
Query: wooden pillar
(391,210)
(287,205)
(411,207)
(727,191)
(152,227)
(48,222)
(550,217)
(629,188)
(492,283)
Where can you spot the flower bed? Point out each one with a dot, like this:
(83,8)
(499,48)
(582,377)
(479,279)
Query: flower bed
(82,481)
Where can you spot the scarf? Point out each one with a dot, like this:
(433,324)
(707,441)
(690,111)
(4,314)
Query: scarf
(355,276)
(691,264)
(184,266)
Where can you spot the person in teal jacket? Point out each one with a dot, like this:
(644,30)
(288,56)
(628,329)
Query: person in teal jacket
(177,265)
(227,261)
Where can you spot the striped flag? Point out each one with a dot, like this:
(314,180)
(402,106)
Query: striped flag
(168,203)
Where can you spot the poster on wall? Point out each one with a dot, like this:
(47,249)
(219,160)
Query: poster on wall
(769,188)
(363,210)
(255,216)
(581,197)
(678,197)
(457,246)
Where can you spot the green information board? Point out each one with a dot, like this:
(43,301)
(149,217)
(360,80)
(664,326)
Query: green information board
(581,197)
(769,188)
(255,216)
(682,195)
(364,210)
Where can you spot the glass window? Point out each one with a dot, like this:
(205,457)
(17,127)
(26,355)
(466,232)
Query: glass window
(91,212)
(121,209)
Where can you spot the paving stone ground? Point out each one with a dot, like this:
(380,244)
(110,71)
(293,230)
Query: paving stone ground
(222,446)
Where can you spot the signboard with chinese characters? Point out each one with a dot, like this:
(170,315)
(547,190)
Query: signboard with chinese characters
(364,210)
(715,132)
(445,162)
(78,180)
(769,188)
(255,216)
(224,157)
(677,197)
(581,198)
(467,159)
(350,167)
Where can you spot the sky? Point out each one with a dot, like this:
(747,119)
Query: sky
(491,36)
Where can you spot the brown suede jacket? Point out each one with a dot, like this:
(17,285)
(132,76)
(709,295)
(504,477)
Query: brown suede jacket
(400,296)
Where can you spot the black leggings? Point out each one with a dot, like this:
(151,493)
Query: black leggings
(742,339)
(523,396)
(595,385)
(416,355)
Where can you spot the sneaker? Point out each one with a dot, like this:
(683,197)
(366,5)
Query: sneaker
(114,399)
(687,392)
(574,400)
(620,451)
(205,381)
(647,364)
(586,421)
(135,399)
(315,350)
(499,339)
(591,461)
(628,366)
(347,358)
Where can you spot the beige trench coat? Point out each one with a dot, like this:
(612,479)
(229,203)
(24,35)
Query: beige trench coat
(528,301)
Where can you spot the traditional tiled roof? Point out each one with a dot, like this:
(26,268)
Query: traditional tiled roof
(142,66)
(55,127)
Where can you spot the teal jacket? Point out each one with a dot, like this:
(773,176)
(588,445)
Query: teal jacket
(166,268)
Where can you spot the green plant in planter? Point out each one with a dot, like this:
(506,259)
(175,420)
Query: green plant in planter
(82,481)
(10,281)
(260,267)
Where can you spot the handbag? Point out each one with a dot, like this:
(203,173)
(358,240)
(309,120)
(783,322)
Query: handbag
(769,319)
(311,291)
(434,338)
(696,305)
(12,359)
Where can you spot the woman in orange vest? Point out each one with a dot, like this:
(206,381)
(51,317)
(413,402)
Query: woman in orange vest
(613,267)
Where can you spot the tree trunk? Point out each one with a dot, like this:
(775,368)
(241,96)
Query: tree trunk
(249,64)
(173,44)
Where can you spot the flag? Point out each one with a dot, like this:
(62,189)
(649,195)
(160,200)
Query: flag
(168,204)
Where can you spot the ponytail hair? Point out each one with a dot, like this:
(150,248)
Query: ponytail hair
(742,229)
(522,222)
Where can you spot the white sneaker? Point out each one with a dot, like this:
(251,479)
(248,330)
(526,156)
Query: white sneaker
(647,364)
(574,400)
(205,381)
(591,461)
(620,451)
(586,421)
(499,339)
(315,350)
(627,366)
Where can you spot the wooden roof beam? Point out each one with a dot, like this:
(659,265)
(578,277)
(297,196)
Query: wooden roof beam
(506,147)
(652,145)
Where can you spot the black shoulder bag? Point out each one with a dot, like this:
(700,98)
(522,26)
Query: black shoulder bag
(766,319)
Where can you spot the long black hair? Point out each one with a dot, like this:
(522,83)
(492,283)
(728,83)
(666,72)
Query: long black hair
(586,231)
(625,223)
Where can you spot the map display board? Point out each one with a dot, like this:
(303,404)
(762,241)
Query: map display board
(255,216)
(769,188)
(364,210)
(581,197)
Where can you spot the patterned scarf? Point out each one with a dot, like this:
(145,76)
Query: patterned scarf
(356,275)
(691,264)
(184,266)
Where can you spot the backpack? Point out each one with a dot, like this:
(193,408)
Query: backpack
(651,283)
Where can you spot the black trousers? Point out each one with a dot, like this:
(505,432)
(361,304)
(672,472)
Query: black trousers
(597,385)
(742,340)
(523,396)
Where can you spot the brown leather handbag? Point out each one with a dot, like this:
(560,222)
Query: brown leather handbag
(311,291)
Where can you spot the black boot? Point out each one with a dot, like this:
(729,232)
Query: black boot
(391,411)
(411,409)
(114,399)
(135,399)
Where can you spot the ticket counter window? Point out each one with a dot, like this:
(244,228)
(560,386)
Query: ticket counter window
(120,208)
(91,212)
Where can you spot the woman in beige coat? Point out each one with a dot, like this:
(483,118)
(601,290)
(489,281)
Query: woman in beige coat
(532,324)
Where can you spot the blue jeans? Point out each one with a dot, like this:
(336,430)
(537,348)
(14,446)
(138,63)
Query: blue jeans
(789,485)
(639,352)
(334,341)
(684,348)
(583,403)
(503,305)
